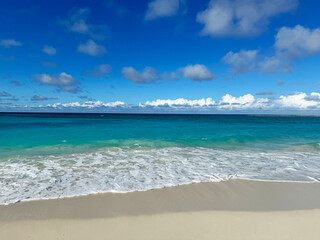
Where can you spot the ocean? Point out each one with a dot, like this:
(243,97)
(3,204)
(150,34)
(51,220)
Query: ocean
(60,155)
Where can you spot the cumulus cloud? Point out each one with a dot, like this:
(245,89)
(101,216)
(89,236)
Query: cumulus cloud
(91,48)
(229,18)
(297,42)
(178,103)
(49,50)
(296,103)
(164,8)
(291,44)
(148,75)
(100,71)
(241,62)
(10,43)
(246,61)
(62,81)
(77,22)
(197,72)
(86,106)
(228,103)
(300,101)
(245,102)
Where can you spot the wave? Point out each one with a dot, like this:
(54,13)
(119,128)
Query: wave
(131,169)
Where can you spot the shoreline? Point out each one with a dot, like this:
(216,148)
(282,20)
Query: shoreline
(230,195)
(233,209)
(138,191)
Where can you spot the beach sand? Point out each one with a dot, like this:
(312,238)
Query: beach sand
(235,209)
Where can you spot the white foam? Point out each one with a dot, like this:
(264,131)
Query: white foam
(126,169)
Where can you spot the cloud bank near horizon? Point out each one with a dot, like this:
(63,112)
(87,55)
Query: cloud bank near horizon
(298,102)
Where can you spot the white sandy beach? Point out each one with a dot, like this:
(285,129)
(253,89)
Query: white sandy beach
(235,209)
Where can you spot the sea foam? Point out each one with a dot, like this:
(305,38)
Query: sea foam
(128,169)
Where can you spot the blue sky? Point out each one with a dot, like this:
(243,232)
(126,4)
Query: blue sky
(160,56)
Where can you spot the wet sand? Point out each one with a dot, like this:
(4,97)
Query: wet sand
(235,209)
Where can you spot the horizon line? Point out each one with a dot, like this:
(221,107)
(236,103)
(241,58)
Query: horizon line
(128,113)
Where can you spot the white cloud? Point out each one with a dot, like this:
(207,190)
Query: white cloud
(178,103)
(77,23)
(297,42)
(148,75)
(100,71)
(228,103)
(49,50)
(10,43)
(300,101)
(163,8)
(91,48)
(245,102)
(241,62)
(294,103)
(197,72)
(291,44)
(63,81)
(228,18)
(86,105)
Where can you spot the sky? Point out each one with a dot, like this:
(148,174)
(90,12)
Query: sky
(188,56)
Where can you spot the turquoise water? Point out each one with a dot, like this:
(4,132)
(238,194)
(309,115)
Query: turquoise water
(54,155)
(76,133)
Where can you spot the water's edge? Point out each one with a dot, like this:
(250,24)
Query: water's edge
(147,190)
